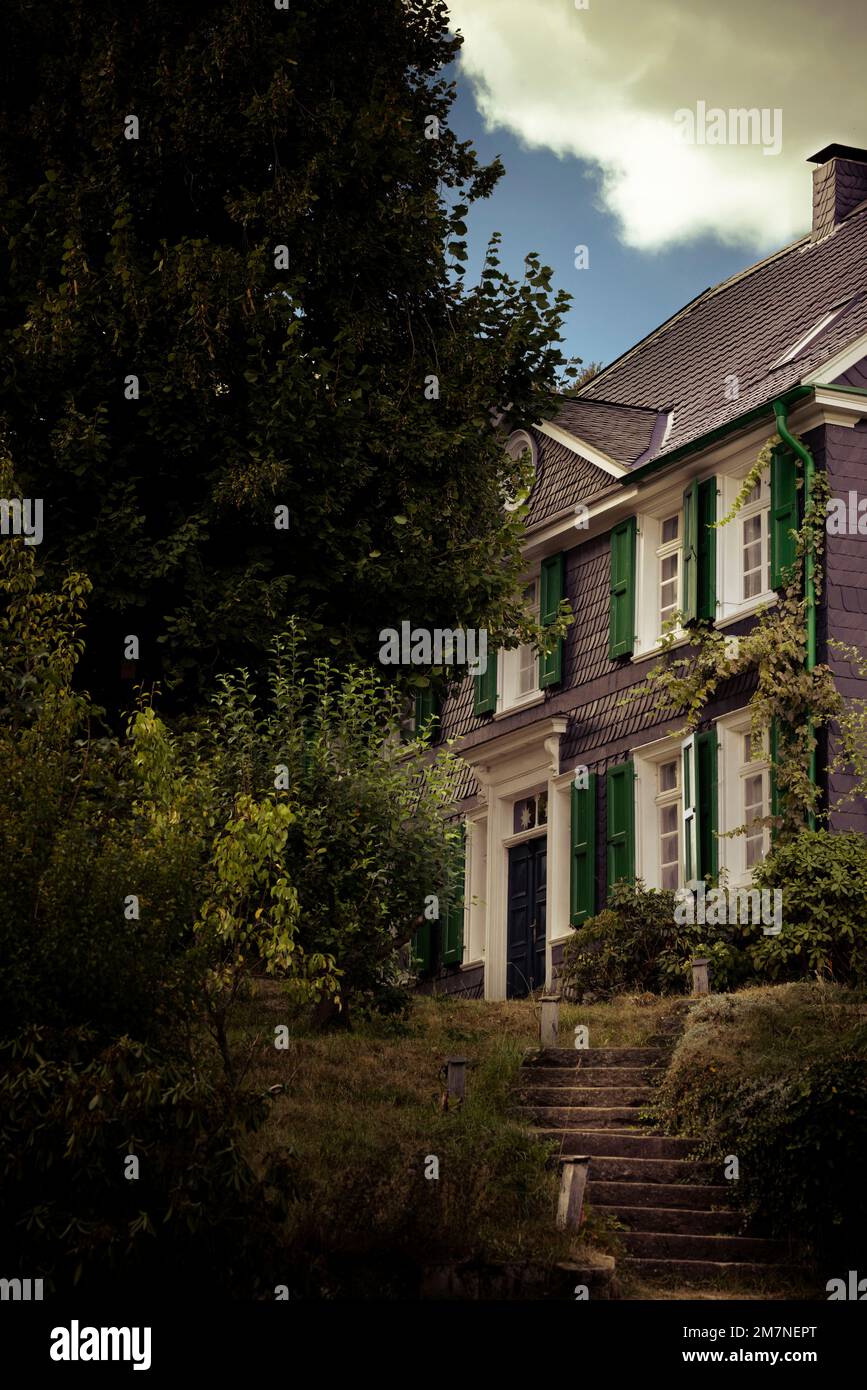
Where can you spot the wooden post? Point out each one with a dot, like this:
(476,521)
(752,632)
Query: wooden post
(573,1180)
(549,1023)
(701,976)
(457,1077)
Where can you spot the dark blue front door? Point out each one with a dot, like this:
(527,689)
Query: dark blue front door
(525,960)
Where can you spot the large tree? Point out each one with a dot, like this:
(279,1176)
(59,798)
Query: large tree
(232,245)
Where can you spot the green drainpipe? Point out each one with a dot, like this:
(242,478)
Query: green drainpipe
(781,414)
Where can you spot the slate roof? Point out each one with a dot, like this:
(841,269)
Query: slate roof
(738,329)
(563,478)
(624,433)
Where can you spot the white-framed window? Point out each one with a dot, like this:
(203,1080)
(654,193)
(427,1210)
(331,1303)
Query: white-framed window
(519,666)
(745,793)
(755,799)
(755,544)
(669,553)
(744,549)
(668,817)
(659,570)
(659,813)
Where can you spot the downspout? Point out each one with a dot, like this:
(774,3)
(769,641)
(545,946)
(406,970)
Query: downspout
(781,415)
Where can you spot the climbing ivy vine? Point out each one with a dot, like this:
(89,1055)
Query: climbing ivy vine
(788,698)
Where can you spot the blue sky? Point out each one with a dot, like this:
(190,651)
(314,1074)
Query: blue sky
(584,100)
(550,204)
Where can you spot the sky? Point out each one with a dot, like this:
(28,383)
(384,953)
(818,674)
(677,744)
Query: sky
(602,112)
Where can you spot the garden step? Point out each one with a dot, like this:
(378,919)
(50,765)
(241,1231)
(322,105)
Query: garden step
(601,1077)
(607,1168)
(596,1057)
(679,1220)
(585,1116)
(587,1095)
(668,1245)
(706,1271)
(619,1143)
(632,1195)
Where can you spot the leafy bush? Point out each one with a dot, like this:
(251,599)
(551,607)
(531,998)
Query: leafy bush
(196,1217)
(367,840)
(636,944)
(775,1075)
(823,878)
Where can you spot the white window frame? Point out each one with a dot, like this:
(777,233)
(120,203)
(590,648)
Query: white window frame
(733,772)
(509,695)
(730,551)
(650,552)
(647,761)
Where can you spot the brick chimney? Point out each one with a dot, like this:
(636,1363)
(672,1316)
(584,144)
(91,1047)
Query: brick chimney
(839,185)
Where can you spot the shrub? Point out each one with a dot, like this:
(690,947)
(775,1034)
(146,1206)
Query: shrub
(636,944)
(775,1076)
(823,878)
(195,1219)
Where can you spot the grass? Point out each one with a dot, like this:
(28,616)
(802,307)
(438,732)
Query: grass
(361,1116)
(361,1119)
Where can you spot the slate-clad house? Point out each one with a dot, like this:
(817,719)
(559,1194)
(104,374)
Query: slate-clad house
(654,448)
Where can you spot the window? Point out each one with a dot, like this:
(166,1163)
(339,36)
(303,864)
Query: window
(668,814)
(755,543)
(754,799)
(668,555)
(529,812)
(528,664)
(745,789)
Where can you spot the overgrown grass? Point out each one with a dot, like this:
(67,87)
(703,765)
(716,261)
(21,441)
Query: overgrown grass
(775,1076)
(362,1115)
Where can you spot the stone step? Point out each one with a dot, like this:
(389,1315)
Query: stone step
(587,1095)
(632,1195)
(607,1169)
(596,1056)
(676,1220)
(602,1077)
(721,1249)
(618,1143)
(707,1271)
(583,1117)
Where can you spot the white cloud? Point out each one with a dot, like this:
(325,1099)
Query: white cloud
(604,84)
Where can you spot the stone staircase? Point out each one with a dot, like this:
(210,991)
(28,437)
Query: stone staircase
(679,1224)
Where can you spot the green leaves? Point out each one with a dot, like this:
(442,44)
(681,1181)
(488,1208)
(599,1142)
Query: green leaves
(260,387)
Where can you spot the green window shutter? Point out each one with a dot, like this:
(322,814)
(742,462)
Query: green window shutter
(583,852)
(453,917)
(699,551)
(689,603)
(552,583)
(784,514)
(620,814)
(706,551)
(426,708)
(421,949)
(485,701)
(706,796)
(621,613)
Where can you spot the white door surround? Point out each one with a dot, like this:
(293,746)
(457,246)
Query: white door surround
(515,765)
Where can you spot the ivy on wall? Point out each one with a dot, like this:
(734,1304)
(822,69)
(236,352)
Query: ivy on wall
(789,701)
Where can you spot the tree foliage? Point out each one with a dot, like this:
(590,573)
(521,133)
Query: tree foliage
(300,378)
